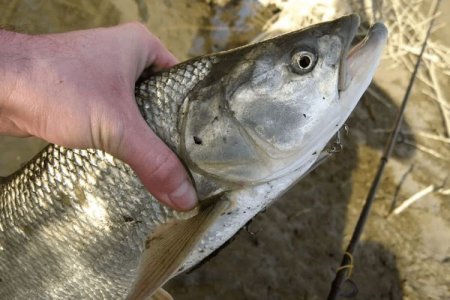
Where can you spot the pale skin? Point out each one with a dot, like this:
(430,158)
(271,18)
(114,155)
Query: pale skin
(76,90)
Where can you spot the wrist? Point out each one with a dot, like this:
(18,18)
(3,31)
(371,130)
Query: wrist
(15,80)
(12,64)
(5,36)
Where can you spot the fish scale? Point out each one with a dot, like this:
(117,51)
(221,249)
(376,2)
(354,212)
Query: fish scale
(170,91)
(64,192)
(67,243)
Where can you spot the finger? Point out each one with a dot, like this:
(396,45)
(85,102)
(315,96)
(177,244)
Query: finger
(157,166)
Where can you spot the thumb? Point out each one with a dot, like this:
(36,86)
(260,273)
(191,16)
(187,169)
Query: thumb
(158,168)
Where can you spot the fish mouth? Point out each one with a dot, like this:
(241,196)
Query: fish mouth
(349,27)
(365,53)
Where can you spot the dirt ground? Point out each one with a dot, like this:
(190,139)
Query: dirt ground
(292,250)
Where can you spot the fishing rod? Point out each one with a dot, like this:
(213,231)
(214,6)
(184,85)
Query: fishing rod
(344,271)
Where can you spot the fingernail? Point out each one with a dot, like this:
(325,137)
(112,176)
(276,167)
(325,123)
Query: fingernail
(184,197)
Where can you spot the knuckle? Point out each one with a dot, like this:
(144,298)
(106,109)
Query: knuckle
(115,143)
(166,164)
(108,132)
(138,27)
(166,160)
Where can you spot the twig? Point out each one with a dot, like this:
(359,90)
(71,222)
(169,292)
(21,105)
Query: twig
(443,191)
(399,186)
(432,188)
(433,97)
(423,134)
(372,92)
(415,50)
(408,202)
(440,97)
(410,68)
(340,274)
(432,136)
(426,150)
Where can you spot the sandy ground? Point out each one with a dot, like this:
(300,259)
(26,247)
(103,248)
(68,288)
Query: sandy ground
(292,250)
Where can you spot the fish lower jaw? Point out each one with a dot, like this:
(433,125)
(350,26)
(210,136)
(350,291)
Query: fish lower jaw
(302,159)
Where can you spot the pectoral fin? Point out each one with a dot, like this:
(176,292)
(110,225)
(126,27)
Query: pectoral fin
(161,294)
(168,247)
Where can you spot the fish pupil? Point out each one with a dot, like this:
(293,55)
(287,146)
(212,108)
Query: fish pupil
(305,62)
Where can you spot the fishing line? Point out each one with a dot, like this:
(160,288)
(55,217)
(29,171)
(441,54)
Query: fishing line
(347,261)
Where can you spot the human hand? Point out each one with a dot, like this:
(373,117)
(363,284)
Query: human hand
(76,90)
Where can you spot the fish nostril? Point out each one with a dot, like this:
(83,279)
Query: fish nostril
(197,140)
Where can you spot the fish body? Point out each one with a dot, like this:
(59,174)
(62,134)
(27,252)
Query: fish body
(248,123)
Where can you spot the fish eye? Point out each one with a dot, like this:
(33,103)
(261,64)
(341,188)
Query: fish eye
(303,61)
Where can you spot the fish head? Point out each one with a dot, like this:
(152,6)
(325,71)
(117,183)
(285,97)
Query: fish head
(271,107)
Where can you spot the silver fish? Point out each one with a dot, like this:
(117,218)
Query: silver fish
(248,123)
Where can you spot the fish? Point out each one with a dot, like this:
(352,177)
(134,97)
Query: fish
(248,123)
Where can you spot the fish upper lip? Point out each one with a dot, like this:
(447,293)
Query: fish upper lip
(369,47)
(376,36)
(350,28)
